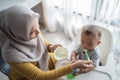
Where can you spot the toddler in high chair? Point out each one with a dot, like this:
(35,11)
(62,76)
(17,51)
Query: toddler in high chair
(88,50)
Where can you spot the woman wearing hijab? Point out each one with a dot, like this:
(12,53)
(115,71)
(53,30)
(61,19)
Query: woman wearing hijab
(26,51)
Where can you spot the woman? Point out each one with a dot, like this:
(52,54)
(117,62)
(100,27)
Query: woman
(25,49)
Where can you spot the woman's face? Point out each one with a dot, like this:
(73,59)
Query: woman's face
(35,30)
(89,41)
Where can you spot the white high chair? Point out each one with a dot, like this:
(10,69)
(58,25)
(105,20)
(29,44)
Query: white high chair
(104,72)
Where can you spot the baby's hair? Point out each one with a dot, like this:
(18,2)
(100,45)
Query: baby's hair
(89,29)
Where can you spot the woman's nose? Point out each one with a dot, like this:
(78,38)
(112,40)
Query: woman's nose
(38,30)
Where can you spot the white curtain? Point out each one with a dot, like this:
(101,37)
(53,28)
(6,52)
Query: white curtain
(66,15)
(106,13)
(70,15)
(105,10)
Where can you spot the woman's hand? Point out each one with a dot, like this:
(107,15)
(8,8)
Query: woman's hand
(52,47)
(83,66)
(72,61)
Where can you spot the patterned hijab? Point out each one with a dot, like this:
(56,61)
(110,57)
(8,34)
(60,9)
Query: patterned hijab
(15,26)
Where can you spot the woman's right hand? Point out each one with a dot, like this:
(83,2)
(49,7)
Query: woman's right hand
(83,66)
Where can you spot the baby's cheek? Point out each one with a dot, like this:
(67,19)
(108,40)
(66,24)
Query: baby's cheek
(84,46)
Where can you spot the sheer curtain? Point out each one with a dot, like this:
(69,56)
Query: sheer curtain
(70,15)
(105,10)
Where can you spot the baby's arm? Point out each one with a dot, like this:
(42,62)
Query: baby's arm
(96,60)
(96,57)
(73,57)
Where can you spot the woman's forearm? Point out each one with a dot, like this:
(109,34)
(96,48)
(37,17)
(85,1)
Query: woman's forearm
(33,73)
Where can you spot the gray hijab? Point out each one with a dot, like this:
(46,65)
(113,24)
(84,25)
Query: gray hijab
(15,27)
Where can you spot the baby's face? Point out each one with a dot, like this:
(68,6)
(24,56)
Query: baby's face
(35,30)
(89,41)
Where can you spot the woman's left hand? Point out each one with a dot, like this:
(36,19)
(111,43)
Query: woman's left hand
(52,47)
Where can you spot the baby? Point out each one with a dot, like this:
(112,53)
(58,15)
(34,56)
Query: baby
(90,38)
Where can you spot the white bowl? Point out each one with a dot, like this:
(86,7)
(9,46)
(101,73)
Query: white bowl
(60,53)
